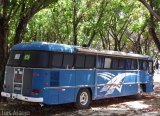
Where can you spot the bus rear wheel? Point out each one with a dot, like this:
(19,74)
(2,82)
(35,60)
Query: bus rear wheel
(83,99)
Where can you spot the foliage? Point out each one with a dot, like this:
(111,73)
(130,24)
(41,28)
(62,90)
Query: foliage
(116,25)
(120,23)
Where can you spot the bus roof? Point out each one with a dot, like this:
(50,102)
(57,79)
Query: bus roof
(114,53)
(44,46)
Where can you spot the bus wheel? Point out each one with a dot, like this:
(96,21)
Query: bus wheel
(83,99)
(140,94)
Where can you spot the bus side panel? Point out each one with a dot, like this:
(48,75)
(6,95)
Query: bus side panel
(67,86)
(50,96)
(149,85)
(116,83)
(40,80)
(143,76)
(130,86)
(85,79)
(40,77)
(147,78)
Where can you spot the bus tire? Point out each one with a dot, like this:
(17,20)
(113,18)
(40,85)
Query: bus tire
(83,99)
(139,95)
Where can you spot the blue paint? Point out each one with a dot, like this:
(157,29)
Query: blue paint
(45,47)
(54,79)
(76,78)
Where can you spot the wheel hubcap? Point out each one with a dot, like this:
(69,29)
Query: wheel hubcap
(83,98)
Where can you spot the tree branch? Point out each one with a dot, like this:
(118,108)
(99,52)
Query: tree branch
(150,9)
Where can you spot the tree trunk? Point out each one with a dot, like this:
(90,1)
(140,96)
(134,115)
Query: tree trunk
(91,38)
(3,48)
(75,23)
(74,33)
(115,44)
(153,33)
(152,30)
(20,30)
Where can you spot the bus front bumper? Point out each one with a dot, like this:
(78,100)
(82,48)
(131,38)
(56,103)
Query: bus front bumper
(21,97)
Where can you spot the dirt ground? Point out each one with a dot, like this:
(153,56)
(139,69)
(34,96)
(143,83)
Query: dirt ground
(149,105)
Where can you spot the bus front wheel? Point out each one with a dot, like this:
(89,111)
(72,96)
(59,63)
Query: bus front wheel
(83,99)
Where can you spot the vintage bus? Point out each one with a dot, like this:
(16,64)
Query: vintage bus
(50,73)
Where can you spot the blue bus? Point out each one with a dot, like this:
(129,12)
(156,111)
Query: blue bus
(50,73)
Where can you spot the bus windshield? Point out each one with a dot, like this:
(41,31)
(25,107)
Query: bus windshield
(28,59)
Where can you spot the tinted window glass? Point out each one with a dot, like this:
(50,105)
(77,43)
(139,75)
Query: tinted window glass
(121,63)
(115,63)
(35,59)
(128,64)
(134,65)
(68,60)
(14,58)
(141,65)
(107,63)
(100,62)
(145,65)
(57,60)
(89,62)
(80,61)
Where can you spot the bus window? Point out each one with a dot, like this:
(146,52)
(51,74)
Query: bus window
(121,64)
(100,62)
(128,64)
(141,65)
(35,59)
(57,60)
(80,61)
(150,69)
(107,63)
(134,65)
(68,60)
(90,61)
(145,65)
(14,58)
(115,63)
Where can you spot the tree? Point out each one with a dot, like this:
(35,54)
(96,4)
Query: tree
(151,6)
(115,25)
(19,11)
